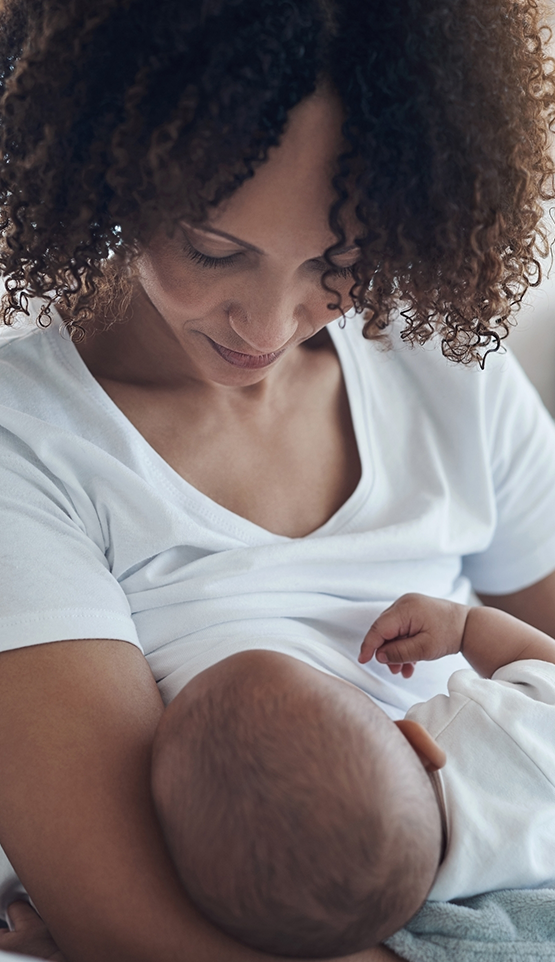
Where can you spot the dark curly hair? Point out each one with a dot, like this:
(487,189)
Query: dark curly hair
(119,115)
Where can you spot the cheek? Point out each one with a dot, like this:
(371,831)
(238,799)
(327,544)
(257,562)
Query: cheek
(170,285)
(338,294)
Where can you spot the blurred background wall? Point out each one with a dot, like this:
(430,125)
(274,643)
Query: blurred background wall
(533,338)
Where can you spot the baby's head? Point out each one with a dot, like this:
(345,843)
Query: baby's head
(298,816)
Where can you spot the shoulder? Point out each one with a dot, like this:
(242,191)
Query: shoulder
(42,378)
(29,363)
(477,418)
(483,420)
(424,369)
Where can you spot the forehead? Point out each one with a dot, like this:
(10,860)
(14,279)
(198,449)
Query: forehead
(287,201)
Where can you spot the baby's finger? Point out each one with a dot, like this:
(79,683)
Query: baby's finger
(385,628)
(30,936)
(406,670)
(402,651)
(372,641)
(23,916)
(403,619)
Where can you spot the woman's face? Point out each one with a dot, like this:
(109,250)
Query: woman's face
(240,293)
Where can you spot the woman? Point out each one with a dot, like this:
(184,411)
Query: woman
(197,190)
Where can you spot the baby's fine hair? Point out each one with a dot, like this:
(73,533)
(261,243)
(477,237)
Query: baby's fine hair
(267,792)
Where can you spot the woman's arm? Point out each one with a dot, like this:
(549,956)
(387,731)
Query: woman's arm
(535,605)
(77,720)
(31,937)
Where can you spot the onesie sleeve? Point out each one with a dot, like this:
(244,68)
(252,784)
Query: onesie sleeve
(535,679)
(520,436)
(56,582)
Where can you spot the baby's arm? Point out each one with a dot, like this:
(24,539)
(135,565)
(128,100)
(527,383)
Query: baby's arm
(418,628)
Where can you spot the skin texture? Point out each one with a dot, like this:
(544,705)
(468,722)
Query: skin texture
(77,720)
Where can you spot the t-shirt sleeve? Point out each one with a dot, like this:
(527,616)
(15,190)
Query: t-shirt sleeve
(520,435)
(56,582)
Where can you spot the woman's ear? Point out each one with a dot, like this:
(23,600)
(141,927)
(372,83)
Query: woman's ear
(430,754)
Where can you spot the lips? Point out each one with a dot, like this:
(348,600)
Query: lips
(251,361)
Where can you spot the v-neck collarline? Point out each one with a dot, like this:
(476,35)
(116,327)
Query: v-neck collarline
(359,404)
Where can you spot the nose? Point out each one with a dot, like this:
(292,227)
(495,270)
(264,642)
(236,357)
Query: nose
(267,320)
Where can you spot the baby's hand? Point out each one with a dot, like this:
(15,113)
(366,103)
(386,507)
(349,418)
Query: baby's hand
(414,628)
(30,935)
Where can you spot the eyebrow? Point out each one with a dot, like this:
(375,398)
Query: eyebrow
(251,247)
(230,237)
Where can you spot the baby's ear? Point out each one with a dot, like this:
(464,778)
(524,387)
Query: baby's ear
(430,754)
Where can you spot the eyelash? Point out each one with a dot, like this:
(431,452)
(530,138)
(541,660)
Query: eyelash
(344,272)
(205,261)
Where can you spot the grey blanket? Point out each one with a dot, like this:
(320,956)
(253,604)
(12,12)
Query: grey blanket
(508,926)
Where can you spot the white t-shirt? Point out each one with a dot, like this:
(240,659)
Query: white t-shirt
(101,538)
(497,790)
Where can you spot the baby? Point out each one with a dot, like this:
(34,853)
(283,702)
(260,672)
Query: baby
(305,822)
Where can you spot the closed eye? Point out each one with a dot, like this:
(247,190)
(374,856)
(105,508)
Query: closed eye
(206,261)
(334,270)
(344,271)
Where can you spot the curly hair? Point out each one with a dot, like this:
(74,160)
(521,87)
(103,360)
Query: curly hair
(119,115)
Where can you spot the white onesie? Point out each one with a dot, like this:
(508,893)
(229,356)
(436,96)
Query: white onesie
(497,790)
